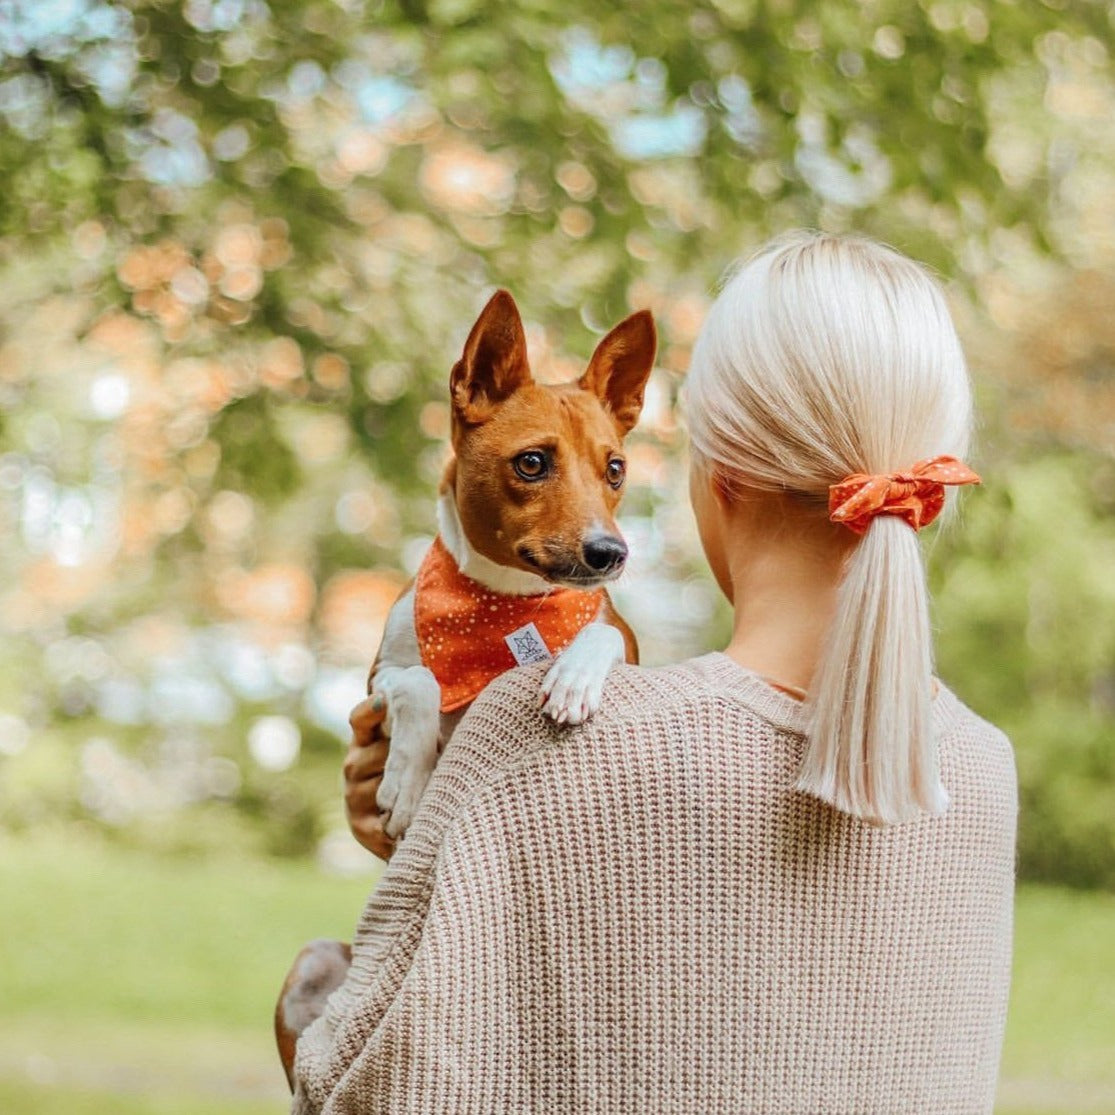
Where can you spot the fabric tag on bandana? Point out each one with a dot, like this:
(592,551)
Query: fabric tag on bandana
(527,645)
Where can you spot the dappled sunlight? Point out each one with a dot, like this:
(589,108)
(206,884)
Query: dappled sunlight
(242,247)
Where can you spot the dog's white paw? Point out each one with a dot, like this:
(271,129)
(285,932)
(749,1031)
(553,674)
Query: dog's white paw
(410,762)
(413,726)
(574,685)
(568,698)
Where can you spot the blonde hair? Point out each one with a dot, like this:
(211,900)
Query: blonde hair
(825,356)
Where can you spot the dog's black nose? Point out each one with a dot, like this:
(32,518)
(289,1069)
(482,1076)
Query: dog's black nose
(605,552)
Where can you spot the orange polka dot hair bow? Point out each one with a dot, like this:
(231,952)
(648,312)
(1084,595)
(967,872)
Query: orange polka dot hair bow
(916,495)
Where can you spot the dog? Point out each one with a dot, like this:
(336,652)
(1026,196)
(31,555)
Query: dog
(526,541)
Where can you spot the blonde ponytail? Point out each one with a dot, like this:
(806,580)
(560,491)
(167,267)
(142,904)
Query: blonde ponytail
(825,357)
(870,749)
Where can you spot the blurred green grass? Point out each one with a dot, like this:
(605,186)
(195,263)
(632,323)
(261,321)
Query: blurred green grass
(1059,1055)
(139,984)
(134,982)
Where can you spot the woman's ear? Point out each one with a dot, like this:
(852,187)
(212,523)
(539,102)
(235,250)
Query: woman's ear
(710,506)
(721,486)
(709,484)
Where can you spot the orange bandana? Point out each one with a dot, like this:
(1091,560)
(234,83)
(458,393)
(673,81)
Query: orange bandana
(469,634)
(916,496)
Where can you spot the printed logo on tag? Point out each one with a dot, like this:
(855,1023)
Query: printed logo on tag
(527,645)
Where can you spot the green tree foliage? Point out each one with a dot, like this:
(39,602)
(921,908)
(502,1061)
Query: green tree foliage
(240,242)
(1025,593)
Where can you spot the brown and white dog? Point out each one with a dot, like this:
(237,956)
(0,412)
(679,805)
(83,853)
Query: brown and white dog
(526,532)
(526,518)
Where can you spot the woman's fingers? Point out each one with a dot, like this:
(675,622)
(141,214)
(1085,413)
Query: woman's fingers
(367,751)
(366,718)
(360,794)
(363,770)
(368,830)
(364,761)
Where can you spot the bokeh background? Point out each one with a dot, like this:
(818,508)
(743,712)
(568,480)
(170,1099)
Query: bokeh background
(240,246)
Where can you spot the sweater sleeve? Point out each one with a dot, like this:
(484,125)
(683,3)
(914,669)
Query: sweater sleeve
(499,731)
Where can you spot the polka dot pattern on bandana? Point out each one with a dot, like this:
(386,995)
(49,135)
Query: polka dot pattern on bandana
(462,625)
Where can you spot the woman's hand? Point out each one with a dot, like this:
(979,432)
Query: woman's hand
(363,771)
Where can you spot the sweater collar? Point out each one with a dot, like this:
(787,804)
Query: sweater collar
(781,710)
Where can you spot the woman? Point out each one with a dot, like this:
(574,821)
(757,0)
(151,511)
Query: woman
(773,879)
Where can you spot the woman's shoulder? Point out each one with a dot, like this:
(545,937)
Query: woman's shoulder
(973,749)
(644,711)
(512,701)
(505,720)
(505,728)
(953,720)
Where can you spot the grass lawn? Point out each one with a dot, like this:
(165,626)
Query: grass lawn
(143,985)
(1060,1049)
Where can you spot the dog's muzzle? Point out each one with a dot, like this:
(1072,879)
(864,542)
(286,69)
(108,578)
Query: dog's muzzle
(602,557)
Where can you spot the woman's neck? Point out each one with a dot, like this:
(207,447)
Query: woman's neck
(784,592)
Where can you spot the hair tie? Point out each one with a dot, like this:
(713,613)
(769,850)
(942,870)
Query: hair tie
(916,496)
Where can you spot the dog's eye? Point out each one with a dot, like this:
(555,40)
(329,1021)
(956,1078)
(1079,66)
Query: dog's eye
(616,471)
(531,465)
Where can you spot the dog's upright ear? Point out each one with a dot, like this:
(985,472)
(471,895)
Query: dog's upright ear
(494,363)
(618,370)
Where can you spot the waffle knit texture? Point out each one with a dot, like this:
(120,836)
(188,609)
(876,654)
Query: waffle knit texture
(641,915)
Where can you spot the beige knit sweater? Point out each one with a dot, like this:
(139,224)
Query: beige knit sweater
(641,916)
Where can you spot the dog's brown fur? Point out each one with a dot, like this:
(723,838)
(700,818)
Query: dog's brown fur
(499,412)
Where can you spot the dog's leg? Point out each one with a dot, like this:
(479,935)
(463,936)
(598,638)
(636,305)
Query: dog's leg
(318,970)
(413,721)
(574,686)
(413,725)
